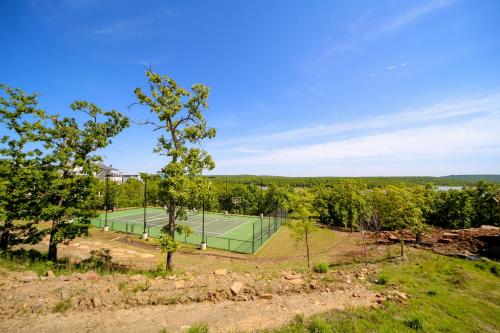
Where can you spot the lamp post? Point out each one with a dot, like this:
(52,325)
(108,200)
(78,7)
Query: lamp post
(106,201)
(144,233)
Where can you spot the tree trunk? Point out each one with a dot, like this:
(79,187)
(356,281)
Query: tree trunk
(52,255)
(364,247)
(402,241)
(4,238)
(307,248)
(171,232)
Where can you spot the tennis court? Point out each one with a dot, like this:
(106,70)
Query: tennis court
(236,233)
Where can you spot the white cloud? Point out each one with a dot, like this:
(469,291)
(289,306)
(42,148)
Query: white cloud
(459,136)
(433,143)
(447,110)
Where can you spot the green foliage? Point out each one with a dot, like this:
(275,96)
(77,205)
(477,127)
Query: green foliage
(183,126)
(414,323)
(321,267)
(381,280)
(62,306)
(318,325)
(21,182)
(198,328)
(433,305)
(53,181)
(99,259)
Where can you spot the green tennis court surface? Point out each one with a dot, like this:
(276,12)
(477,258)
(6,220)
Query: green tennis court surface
(237,233)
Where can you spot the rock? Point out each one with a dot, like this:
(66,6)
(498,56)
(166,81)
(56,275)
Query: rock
(96,301)
(180,284)
(296,282)
(489,227)
(450,235)
(400,295)
(172,277)
(28,277)
(236,288)
(65,295)
(50,274)
(392,237)
(266,296)
(91,276)
(444,240)
(292,276)
(220,272)
(241,298)
(348,280)
(313,284)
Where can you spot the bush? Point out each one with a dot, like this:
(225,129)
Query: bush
(62,306)
(414,323)
(318,325)
(321,267)
(381,280)
(99,259)
(494,270)
(199,328)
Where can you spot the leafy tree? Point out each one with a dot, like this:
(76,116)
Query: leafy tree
(486,205)
(397,210)
(20,161)
(72,158)
(179,115)
(301,220)
(277,195)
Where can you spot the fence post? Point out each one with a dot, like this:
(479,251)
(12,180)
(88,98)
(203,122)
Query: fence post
(253,238)
(269,228)
(132,229)
(261,229)
(229,244)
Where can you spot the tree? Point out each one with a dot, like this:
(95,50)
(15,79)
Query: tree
(301,221)
(72,160)
(20,162)
(179,115)
(397,210)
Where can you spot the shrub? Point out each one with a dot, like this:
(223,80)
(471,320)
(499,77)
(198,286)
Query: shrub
(381,280)
(318,325)
(414,323)
(99,259)
(431,293)
(494,270)
(62,306)
(321,267)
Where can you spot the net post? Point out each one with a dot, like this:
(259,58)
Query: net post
(126,228)
(229,244)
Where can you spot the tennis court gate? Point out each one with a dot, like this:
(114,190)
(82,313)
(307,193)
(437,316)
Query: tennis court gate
(262,230)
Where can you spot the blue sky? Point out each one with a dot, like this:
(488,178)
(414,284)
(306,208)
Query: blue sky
(298,88)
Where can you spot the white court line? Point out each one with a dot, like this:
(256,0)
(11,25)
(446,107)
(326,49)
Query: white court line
(234,228)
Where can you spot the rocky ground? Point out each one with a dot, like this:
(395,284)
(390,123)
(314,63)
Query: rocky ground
(224,300)
(466,243)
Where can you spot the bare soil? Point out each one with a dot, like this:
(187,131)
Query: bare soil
(229,292)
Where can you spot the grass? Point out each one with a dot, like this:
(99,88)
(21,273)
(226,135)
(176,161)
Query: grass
(35,261)
(62,307)
(283,245)
(445,295)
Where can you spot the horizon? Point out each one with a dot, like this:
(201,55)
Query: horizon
(383,89)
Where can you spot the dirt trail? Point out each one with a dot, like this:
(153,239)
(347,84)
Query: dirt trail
(221,317)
